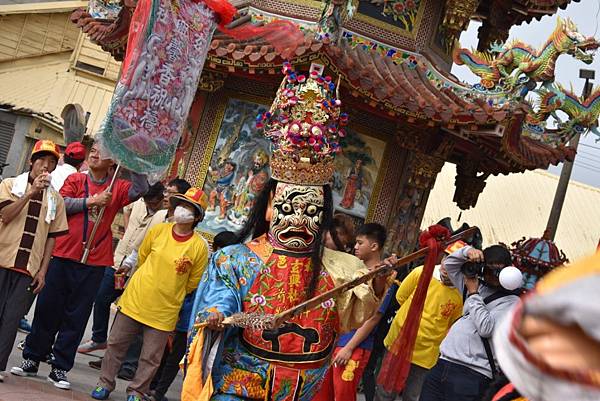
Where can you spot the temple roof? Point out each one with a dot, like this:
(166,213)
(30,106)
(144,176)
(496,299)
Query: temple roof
(400,86)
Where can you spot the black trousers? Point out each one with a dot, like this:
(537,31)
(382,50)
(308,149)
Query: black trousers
(169,366)
(15,301)
(62,311)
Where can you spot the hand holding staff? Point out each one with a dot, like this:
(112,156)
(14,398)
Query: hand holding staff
(103,199)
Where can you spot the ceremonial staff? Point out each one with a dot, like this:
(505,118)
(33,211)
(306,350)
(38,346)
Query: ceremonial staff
(87,245)
(266,322)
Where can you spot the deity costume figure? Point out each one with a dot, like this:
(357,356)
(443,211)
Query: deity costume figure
(354,182)
(223,179)
(283,265)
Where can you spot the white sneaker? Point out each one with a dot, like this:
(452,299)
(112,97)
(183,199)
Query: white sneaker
(90,346)
(1,378)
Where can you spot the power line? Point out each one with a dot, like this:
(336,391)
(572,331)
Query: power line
(588,167)
(589,152)
(589,146)
(588,159)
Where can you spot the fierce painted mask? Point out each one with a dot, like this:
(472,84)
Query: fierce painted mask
(297,216)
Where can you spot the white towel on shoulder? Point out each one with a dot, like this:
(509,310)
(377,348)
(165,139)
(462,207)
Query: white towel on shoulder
(20,186)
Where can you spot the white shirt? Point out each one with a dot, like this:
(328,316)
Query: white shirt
(60,174)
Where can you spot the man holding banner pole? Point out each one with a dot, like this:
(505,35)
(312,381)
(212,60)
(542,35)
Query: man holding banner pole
(64,306)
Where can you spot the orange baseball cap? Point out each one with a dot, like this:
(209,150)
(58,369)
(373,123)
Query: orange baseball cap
(46,145)
(195,196)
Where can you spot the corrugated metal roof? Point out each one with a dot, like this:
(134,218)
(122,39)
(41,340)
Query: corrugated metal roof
(46,85)
(30,83)
(518,205)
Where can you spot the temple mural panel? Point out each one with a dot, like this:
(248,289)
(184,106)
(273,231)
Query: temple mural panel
(357,180)
(238,166)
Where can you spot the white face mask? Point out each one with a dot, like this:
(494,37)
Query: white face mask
(182,215)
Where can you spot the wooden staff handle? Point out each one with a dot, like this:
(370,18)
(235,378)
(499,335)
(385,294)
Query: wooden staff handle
(87,246)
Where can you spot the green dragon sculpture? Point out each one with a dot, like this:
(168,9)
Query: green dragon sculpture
(583,114)
(504,65)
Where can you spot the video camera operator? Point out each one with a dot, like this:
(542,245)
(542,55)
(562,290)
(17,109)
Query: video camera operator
(466,366)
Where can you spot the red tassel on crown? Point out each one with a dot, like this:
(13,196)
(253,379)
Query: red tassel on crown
(396,363)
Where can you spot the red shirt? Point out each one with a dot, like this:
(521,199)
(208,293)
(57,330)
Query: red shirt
(70,246)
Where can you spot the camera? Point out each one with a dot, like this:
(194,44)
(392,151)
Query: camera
(472,269)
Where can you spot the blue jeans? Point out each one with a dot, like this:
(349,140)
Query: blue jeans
(104,298)
(448,381)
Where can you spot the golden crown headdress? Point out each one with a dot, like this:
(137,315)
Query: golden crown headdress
(304,125)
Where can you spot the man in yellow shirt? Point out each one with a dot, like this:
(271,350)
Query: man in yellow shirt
(443,306)
(171,261)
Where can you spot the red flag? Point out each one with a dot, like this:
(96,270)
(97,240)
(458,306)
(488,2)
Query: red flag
(396,363)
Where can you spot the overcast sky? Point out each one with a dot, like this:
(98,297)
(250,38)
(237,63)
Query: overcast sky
(585,15)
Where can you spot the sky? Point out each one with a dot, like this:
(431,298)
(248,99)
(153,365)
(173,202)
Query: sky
(586,16)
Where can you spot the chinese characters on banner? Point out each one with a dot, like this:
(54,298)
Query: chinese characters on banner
(160,75)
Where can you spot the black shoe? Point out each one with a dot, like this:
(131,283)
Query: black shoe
(95,364)
(28,368)
(126,374)
(59,378)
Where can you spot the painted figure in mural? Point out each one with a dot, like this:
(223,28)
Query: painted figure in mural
(354,182)
(403,237)
(223,179)
(250,186)
(284,264)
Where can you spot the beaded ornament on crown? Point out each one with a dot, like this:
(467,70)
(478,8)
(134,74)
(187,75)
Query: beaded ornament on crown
(304,125)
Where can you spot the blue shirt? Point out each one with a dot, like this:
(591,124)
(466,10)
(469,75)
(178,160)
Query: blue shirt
(366,344)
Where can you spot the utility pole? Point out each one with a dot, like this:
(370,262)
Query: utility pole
(565,174)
